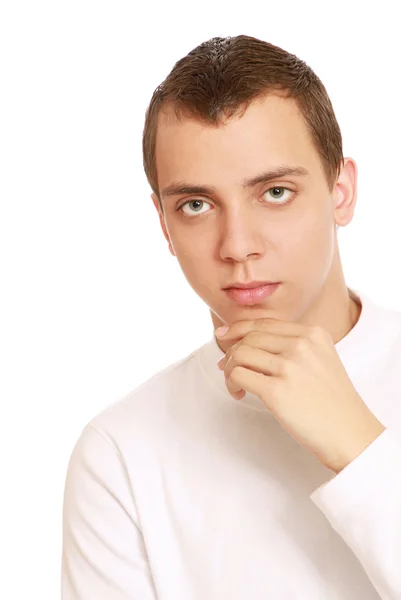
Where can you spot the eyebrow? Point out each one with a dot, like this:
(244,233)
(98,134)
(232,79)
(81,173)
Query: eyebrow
(178,188)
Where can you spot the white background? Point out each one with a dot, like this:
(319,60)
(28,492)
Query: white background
(79,233)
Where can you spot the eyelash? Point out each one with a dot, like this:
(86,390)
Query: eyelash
(278,204)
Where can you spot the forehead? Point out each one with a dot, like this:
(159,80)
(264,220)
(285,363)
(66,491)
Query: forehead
(271,131)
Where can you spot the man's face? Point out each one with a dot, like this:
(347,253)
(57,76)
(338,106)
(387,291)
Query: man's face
(231,232)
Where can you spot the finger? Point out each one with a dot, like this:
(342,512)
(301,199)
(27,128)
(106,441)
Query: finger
(234,389)
(267,341)
(223,361)
(238,329)
(265,387)
(273,343)
(253,359)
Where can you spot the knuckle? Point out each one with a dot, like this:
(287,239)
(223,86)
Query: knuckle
(235,372)
(317,333)
(301,345)
(253,338)
(233,358)
(249,336)
(239,354)
(286,367)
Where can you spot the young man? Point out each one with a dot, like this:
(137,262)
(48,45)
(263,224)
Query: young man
(278,473)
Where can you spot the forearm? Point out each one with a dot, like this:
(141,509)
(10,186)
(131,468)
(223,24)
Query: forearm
(363,505)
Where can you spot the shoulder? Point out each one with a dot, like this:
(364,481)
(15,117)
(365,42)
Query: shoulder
(145,411)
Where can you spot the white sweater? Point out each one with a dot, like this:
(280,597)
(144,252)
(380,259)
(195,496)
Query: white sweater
(179,492)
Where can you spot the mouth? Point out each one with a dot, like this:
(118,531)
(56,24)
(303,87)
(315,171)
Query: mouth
(251,295)
(248,285)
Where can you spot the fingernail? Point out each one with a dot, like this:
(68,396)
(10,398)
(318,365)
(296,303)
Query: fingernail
(221,331)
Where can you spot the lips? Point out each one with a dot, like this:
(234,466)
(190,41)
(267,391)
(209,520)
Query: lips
(249,285)
(251,296)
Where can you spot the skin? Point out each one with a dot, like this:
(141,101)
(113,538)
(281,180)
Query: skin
(242,234)
(282,349)
(296,371)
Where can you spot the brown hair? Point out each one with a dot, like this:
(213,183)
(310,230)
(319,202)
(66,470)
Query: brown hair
(219,78)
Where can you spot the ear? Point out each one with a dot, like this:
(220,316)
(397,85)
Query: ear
(156,203)
(345,193)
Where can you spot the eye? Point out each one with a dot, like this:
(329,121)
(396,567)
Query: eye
(277,198)
(278,194)
(197,201)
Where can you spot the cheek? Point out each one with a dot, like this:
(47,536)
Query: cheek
(195,258)
(193,246)
(310,241)
(189,238)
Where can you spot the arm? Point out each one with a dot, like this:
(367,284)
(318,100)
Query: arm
(103,554)
(363,505)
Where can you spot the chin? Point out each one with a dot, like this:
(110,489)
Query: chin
(243,313)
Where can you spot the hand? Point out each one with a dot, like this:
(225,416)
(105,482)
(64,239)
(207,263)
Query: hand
(296,371)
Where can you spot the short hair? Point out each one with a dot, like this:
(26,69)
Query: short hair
(220,78)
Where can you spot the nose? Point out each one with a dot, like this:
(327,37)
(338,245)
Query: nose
(241,239)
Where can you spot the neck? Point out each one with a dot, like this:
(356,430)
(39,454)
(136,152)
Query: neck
(338,313)
(336,308)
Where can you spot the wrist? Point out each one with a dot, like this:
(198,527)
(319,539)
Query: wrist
(355,447)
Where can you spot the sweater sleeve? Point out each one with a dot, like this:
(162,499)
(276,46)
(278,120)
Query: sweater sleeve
(363,505)
(103,553)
